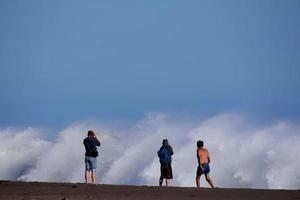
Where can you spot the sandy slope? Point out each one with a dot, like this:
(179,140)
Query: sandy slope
(60,191)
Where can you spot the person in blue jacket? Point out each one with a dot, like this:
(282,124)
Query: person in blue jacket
(165,158)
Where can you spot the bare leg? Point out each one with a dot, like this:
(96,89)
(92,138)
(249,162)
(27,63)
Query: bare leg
(94,176)
(161,181)
(198,181)
(86,176)
(167,182)
(208,179)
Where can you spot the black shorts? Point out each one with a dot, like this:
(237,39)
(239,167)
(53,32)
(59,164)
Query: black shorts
(204,170)
(166,171)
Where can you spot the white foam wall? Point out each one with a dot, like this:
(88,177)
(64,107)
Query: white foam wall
(243,154)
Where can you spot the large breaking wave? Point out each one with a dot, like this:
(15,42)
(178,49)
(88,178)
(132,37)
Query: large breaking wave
(244,154)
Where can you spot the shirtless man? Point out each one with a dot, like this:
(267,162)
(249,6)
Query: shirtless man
(203,164)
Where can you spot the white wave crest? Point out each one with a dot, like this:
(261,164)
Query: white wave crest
(243,154)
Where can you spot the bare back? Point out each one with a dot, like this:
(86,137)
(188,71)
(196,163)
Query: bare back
(203,156)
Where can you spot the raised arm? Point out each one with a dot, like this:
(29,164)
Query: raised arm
(97,143)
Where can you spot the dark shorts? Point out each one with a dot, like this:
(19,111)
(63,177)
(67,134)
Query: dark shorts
(166,171)
(204,170)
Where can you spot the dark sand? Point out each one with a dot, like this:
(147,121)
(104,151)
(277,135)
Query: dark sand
(60,191)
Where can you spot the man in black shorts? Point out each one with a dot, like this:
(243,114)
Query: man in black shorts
(203,164)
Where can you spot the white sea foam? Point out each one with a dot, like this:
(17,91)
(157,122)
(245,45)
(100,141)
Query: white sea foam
(243,154)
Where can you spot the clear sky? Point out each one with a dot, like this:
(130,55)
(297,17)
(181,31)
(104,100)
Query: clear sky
(66,60)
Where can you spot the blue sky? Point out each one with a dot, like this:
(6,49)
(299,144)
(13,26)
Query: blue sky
(62,61)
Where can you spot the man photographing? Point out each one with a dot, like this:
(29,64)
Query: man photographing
(90,143)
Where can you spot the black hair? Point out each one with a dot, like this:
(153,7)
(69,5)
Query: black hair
(90,133)
(165,142)
(200,144)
